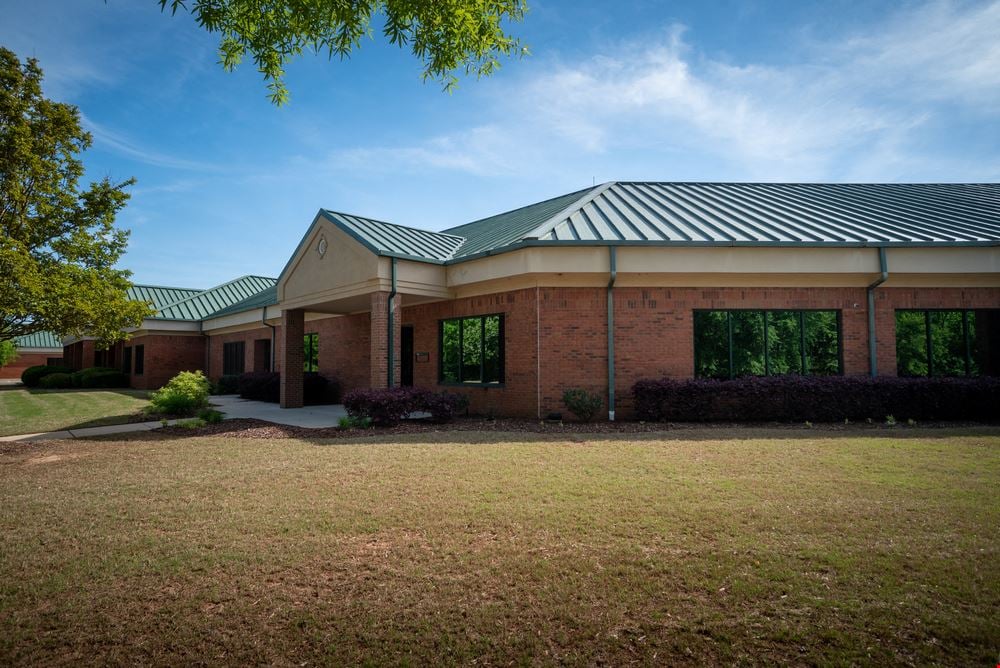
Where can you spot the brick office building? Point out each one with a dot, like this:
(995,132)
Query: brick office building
(600,287)
(40,348)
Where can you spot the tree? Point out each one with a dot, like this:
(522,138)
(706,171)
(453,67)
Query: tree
(444,35)
(8,352)
(58,244)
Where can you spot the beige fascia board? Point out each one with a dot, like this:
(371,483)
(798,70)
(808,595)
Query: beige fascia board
(988,280)
(333,294)
(39,351)
(950,260)
(163,332)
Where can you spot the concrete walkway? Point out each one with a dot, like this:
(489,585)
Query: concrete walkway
(229,404)
(88,431)
(307,416)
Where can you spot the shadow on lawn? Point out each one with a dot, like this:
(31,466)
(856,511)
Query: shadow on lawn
(486,434)
(126,391)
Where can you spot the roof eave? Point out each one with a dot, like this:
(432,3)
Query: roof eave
(578,243)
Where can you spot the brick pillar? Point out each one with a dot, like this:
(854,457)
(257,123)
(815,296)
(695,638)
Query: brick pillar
(380,339)
(293,325)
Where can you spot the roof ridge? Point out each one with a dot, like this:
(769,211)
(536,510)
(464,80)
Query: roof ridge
(519,208)
(166,287)
(214,287)
(386,222)
(551,222)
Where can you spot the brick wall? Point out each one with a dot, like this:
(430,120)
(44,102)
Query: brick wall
(518,396)
(344,349)
(23,361)
(887,300)
(249,337)
(166,355)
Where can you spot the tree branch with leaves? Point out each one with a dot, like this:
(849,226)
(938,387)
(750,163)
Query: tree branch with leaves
(446,36)
(59,246)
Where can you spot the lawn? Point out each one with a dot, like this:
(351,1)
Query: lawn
(24,411)
(697,546)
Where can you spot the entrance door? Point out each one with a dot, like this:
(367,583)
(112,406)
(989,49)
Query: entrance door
(406,353)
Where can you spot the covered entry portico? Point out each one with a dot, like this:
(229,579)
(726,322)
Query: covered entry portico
(332,273)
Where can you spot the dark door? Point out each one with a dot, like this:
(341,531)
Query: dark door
(406,352)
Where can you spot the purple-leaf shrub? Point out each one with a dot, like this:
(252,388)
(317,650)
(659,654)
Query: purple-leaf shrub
(816,399)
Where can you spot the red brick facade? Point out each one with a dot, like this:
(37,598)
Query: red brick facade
(555,339)
(24,360)
(164,356)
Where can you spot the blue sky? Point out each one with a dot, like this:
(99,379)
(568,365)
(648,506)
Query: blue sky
(721,91)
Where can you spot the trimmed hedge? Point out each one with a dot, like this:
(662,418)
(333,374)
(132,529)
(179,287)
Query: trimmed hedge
(816,399)
(266,386)
(228,384)
(56,381)
(33,374)
(99,377)
(386,407)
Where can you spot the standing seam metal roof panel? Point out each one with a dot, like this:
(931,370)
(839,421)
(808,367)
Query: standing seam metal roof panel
(205,304)
(776,214)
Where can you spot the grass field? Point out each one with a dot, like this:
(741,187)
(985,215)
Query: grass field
(690,547)
(24,411)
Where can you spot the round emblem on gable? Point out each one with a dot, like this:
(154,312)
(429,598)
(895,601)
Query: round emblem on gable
(321,246)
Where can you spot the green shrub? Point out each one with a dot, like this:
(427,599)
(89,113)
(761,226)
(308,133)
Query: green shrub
(227,384)
(33,374)
(98,376)
(348,422)
(183,395)
(582,403)
(56,381)
(210,416)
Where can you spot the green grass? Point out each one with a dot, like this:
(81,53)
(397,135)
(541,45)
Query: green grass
(691,547)
(24,411)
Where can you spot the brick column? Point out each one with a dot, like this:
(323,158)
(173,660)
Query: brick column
(293,325)
(380,339)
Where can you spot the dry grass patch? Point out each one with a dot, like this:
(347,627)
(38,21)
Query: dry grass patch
(490,548)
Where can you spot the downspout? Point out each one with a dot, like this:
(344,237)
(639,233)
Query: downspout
(208,349)
(263,319)
(612,258)
(872,342)
(392,327)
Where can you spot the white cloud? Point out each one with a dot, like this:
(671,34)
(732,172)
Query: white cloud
(849,108)
(118,143)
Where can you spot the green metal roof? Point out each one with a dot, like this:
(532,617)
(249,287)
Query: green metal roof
(506,228)
(266,297)
(711,214)
(160,295)
(208,302)
(38,340)
(777,214)
(397,240)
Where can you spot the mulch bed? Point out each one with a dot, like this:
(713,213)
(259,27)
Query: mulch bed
(251,428)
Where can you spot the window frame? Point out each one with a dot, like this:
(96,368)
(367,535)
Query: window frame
(802,339)
(227,357)
(307,351)
(501,353)
(929,344)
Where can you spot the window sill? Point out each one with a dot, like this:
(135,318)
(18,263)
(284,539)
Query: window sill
(485,386)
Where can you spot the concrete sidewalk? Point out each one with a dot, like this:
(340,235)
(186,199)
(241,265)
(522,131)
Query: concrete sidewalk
(87,432)
(229,404)
(312,417)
